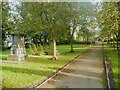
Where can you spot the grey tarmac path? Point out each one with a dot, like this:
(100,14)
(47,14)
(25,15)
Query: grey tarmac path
(85,72)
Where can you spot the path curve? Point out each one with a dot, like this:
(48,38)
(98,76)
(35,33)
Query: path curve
(85,72)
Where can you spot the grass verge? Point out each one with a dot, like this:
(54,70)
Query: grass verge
(113,57)
(37,68)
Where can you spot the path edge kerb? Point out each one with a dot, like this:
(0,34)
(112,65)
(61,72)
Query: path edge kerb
(108,71)
(53,74)
(41,82)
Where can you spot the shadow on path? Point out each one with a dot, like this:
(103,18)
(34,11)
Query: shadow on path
(86,72)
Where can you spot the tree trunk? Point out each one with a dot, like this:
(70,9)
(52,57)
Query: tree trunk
(71,45)
(117,40)
(108,39)
(114,44)
(87,39)
(53,49)
(117,45)
(71,38)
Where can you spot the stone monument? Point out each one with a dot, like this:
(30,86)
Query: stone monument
(18,52)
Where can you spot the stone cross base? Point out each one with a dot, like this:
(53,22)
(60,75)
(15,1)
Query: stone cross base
(15,58)
(12,57)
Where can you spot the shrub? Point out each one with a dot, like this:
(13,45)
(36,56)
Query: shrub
(33,49)
(46,52)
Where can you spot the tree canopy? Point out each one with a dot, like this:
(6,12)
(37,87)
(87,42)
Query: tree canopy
(109,22)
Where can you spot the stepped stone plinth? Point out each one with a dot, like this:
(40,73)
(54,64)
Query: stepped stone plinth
(18,52)
(12,57)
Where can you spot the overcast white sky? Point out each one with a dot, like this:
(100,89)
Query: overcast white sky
(65,0)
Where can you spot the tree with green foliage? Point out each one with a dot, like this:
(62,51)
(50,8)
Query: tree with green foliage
(108,14)
(4,24)
(37,20)
(10,25)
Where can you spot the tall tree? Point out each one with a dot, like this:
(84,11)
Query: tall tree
(80,15)
(109,13)
(4,24)
(46,16)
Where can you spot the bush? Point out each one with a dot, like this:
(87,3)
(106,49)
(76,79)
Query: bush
(45,47)
(62,42)
(83,42)
(40,48)
(33,49)
(75,42)
(46,53)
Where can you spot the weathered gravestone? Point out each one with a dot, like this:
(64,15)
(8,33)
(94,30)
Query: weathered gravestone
(18,52)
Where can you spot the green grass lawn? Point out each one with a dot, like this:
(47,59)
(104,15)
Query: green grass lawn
(4,54)
(37,68)
(113,57)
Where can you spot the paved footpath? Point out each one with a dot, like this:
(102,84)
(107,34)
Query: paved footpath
(85,72)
